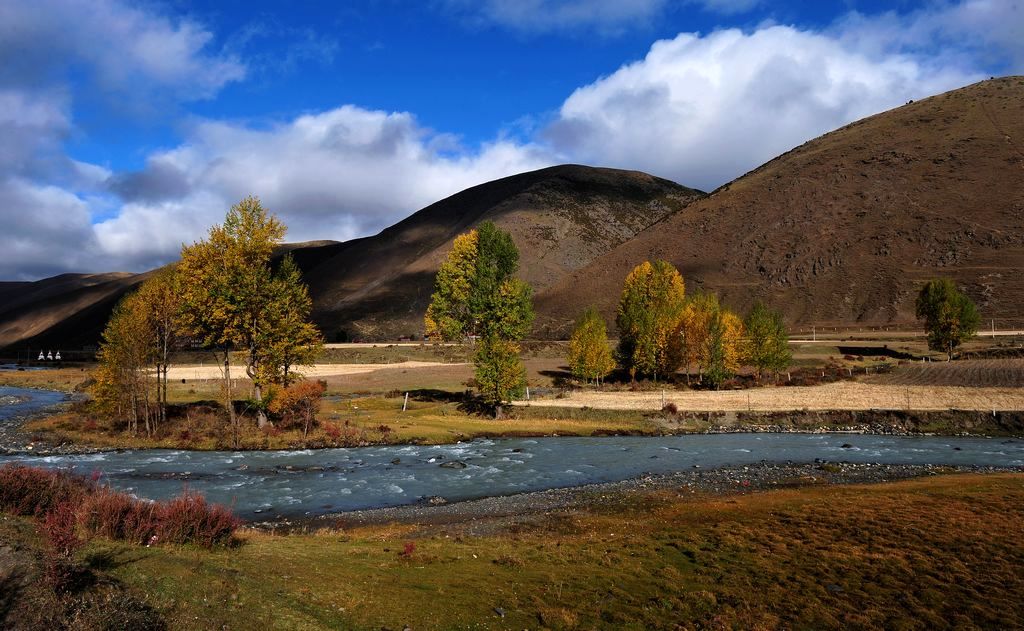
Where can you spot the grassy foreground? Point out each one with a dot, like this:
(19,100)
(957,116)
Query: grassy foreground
(935,553)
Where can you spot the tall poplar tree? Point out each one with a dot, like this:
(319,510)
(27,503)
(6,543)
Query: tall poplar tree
(768,340)
(590,357)
(650,312)
(950,317)
(476,294)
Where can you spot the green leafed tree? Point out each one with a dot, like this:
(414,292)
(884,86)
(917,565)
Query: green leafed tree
(650,313)
(950,317)
(448,316)
(500,373)
(295,341)
(590,357)
(476,294)
(768,347)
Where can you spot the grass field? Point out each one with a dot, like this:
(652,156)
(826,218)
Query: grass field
(937,553)
(845,395)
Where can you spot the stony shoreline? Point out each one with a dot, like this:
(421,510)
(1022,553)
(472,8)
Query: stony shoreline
(498,513)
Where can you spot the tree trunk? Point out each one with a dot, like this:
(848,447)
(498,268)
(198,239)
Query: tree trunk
(229,401)
(257,393)
(261,414)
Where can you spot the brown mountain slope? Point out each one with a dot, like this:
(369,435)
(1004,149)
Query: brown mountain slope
(844,228)
(560,217)
(66,311)
(378,287)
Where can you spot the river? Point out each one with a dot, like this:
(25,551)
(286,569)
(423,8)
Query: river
(310,482)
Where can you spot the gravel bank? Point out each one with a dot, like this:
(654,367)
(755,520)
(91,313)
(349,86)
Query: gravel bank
(496,514)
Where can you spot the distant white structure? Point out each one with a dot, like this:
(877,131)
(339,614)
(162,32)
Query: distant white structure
(57,356)
(41,356)
(49,355)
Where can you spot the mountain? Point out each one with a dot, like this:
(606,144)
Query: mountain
(66,311)
(844,228)
(561,218)
(378,287)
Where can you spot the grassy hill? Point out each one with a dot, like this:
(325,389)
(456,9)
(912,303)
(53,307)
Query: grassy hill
(844,227)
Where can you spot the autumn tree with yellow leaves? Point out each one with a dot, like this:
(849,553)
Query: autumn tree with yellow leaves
(590,357)
(649,315)
(233,300)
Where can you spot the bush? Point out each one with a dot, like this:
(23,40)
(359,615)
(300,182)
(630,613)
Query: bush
(190,519)
(119,516)
(34,491)
(60,529)
(298,404)
(62,502)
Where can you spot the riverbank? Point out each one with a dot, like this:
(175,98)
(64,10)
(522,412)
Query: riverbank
(500,513)
(941,552)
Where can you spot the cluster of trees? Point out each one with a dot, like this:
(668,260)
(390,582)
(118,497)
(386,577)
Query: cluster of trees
(662,330)
(477,296)
(225,292)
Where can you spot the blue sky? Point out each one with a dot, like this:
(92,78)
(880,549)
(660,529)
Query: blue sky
(131,127)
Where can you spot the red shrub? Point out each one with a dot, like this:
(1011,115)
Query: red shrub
(189,519)
(408,550)
(118,516)
(59,527)
(34,491)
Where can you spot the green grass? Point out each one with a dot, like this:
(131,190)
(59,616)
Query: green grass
(937,553)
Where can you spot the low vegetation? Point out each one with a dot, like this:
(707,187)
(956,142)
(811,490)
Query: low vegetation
(941,552)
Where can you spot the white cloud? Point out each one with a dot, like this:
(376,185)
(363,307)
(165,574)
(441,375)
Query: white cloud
(699,109)
(52,52)
(124,47)
(604,16)
(705,109)
(338,174)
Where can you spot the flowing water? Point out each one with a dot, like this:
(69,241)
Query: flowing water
(270,483)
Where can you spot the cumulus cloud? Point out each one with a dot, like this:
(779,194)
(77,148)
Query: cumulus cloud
(705,109)
(700,109)
(125,48)
(338,174)
(50,200)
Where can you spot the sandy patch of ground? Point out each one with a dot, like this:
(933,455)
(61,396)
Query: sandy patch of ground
(210,371)
(844,395)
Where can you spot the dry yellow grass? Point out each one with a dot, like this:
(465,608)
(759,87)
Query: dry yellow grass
(213,371)
(845,395)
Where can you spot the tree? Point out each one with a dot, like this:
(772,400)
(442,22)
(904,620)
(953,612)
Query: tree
(296,341)
(693,331)
(500,373)
(723,353)
(159,300)
(476,294)
(233,300)
(950,317)
(127,348)
(590,358)
(769,341)
(650,312)
(448,315)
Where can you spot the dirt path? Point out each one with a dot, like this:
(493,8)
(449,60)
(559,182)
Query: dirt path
(210,371)
(844,395)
